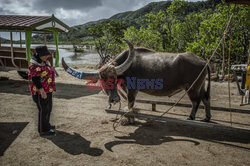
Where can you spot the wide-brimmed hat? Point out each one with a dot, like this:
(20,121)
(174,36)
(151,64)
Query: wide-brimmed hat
(42,51)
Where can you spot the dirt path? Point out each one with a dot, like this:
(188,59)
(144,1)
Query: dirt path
(85,135)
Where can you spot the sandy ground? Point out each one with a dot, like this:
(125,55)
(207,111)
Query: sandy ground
(85,135)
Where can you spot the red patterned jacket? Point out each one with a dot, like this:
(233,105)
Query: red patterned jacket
(47,76)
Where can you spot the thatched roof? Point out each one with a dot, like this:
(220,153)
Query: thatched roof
(245,2)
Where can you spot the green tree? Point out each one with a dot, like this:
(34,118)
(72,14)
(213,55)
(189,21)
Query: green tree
(160,25)
(143,37)
(211,30)
(107,39)
(132,34)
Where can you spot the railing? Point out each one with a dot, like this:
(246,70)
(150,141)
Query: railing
(16,58)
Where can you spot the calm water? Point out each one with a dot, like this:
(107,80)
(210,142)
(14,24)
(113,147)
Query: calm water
(66,51)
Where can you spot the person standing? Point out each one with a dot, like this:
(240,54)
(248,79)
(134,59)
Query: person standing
(42,84)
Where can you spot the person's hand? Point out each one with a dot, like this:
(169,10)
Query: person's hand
(43,93)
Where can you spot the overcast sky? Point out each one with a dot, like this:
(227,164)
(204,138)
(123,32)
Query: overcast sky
(72,12)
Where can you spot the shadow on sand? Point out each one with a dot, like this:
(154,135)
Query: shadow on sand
(74,144)
(64,91)
(156,133)
(9,131)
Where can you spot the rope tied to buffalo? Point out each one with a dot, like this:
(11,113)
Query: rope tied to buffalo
(221,40)
(116,123)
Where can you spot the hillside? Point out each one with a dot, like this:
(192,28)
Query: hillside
(130,18)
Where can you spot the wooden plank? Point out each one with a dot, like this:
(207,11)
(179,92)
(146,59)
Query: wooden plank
(236,110)
(195,123)
(19,54)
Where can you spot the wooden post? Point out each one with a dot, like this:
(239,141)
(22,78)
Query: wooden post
(248,64)
(21,39)
(12,50)
(44,38)
(153,107)
(26,46)
(11,44)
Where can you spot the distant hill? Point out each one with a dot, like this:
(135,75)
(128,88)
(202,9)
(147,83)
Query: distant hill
(137,18)
(131,18)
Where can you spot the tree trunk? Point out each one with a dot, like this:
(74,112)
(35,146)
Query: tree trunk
(100,64)
(163,44)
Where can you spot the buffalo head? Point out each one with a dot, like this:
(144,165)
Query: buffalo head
(108,74)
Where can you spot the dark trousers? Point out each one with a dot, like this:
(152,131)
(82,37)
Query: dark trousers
(44,109)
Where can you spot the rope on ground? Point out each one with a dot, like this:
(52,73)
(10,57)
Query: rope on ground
(116,123)
(222,38)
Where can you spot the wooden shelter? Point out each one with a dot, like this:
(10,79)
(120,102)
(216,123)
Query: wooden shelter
(19,57)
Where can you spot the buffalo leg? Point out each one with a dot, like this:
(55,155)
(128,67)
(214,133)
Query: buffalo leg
(195,97)
(131,101)
(195,105)
(206,103)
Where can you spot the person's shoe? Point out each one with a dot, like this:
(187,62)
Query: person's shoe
(52,126)
(49,132)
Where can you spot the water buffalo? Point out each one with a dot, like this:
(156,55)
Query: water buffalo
(154,73)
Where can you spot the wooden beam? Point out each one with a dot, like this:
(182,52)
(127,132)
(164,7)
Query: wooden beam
(195,123)
(236,110)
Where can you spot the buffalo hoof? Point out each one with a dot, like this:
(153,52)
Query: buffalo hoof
(124,122)
(127,121)
(125,109)
(206,120)
(190,118)
(132,120)
(109,106)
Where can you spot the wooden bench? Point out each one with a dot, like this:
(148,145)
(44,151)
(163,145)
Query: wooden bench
(237,110)
(20,58)
(195,123)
